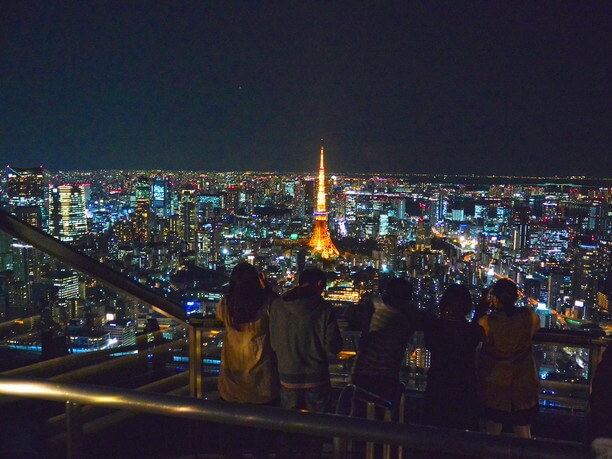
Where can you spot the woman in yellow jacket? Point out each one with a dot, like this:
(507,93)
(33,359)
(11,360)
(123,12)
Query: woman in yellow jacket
(508,381)
(248,372)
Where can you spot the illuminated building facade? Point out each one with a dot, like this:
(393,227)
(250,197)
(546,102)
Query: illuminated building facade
(585,278)
(521,231)
(67,204)
(189,217)
(121,332)
(66,287)
(141,220)
(25,186)
(160,191)
(321,242)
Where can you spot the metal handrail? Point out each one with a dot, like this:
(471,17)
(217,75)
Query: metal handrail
(116,281)
(416,437)
(93,268)
(570,338)
(346,406)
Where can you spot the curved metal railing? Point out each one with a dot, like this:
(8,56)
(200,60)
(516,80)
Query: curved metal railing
(414,437)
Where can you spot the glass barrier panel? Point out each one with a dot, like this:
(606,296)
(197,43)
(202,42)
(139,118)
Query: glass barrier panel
(57,323)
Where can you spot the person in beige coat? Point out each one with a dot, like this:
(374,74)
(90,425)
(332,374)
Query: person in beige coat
(508,382)
(248,372)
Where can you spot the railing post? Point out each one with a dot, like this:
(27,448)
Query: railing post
(345,407)
(370,414)
(196,334)
(400,418)
(74,431)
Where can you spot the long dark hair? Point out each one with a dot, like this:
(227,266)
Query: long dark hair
(246,295)
(456,302)
(507,293)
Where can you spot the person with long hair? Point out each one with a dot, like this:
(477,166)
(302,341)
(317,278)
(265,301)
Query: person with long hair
(508,381)
(248,372)
(450,396)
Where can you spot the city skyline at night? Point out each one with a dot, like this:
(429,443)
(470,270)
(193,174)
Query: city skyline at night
(150,148)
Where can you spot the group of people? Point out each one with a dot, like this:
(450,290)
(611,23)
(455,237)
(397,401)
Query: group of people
(482,370)
(277,350)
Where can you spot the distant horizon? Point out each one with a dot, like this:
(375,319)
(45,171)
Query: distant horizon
(329,173)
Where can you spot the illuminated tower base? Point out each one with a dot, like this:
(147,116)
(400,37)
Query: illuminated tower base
(320,242)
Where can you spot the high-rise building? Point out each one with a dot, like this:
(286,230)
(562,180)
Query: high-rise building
(142,188)
(520,231)
(585,278)
(25,186)
(189,217)
(122,332)
(71,213)
(160,196)
(553,240)
(310,196)
(210,205)
(55,212)
(232,198)
(27,260)
(67,291)
(141,220)
(400,208)
(298,203)
(321,242)
(557,290)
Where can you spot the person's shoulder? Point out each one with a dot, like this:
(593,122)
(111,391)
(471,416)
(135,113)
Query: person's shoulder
(326,307)
(221,309)
(484,320)
(528,312)
(275,304)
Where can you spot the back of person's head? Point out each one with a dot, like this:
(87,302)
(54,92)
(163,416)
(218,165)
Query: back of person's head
(398,293)
(246,294)
(314,277)
(456,302)
(507,293)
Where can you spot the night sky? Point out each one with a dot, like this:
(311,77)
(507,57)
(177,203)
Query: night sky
(491,87)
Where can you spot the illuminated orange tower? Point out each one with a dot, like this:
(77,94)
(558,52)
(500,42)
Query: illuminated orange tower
(320,242)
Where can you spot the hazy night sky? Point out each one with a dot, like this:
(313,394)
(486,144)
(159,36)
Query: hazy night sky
(491,87)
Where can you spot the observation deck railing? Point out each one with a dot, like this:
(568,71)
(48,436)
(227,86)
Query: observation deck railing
(413,437)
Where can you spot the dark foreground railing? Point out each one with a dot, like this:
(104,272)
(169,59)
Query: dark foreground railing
(413,437)
(117,282)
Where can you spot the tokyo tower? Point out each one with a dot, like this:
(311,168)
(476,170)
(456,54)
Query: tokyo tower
(320,242)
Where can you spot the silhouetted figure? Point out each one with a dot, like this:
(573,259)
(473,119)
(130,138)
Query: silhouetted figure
(383,344)
(450,397)
(600,419)
(305,336)
(508,381)
(248,372)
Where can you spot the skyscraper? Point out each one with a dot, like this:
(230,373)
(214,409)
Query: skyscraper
(25,186)
(160,192)
(70,220)
(189,217)
(320,242)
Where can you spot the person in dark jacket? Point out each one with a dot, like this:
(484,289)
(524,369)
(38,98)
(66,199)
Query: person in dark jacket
(450,397)
(304,335)
(384,341)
